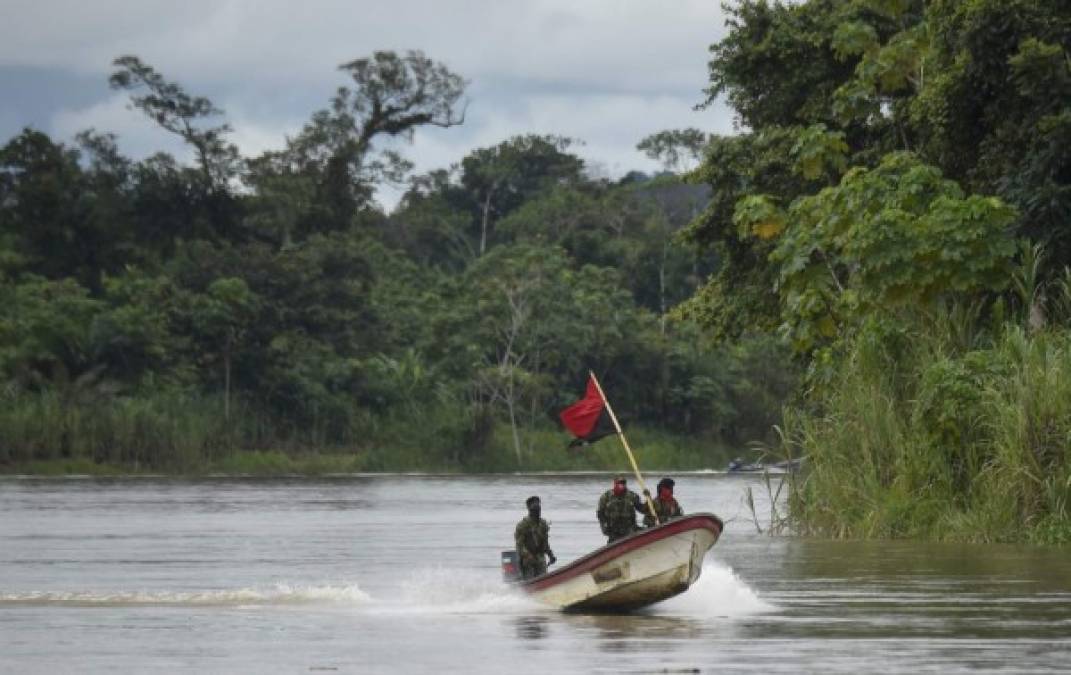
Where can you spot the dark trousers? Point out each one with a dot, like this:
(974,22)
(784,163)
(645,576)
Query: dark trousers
(533,567)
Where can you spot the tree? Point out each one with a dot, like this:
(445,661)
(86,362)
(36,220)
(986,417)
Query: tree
(172,108)
(995,111)
(64,219)
(776,66)
(898,235)
(738,298)
(392,96)
(46,330)
(223,314)
(510,291)
(135,332)
(501,177)
(433,221)
(676,149)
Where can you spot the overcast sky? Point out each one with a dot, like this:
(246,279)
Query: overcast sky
(608,72)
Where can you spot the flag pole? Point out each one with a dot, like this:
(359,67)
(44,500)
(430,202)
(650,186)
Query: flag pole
(628,450)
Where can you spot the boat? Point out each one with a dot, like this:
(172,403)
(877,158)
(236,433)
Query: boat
(787,466)
(641,569)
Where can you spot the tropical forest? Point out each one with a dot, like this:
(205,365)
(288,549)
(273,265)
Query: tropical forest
(871,275)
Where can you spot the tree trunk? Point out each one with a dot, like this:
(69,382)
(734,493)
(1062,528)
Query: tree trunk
(486,220)
(513,427)
(227,387)
(227,380)
(662,286)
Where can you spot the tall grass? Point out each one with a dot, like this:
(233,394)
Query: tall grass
(938,433)
(655,451)
(165,431)
(175,432)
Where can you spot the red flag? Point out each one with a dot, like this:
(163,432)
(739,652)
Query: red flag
(587,419)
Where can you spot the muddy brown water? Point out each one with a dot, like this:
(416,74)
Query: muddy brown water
(399,574)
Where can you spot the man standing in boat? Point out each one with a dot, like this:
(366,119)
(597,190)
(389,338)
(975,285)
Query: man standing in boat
(617,510)
(532,537)
(664,504)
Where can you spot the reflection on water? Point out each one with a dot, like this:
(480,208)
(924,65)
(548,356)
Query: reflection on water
(531,627)
(400,574)
(630,627)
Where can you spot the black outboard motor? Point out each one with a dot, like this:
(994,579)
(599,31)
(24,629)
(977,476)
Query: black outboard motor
(511,569)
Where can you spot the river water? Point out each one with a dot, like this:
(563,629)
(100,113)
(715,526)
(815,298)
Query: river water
(399,574)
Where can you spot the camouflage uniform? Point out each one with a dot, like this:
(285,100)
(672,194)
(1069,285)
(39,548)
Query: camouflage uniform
(533,546)
(665,510)
(617,514)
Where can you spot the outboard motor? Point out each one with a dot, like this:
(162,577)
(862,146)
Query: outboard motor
(511,569)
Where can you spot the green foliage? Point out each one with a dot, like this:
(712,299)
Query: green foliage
(777,65)
(156,318)
(932,440)
(676,149)
(172,108)
(278,463)
(738,298)
(758,216)
(46,328)
(924,139)
(819,152)
(895,236)
(500,178)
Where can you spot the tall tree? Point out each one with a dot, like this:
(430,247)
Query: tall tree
(391,97)
(62,218)
(168,104)
(676,149)
(501,177)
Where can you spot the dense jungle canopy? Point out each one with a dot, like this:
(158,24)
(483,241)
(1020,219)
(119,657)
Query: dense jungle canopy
(873,272)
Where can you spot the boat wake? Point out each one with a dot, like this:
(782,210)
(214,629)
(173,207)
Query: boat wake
(424,591)
(719,593)
(451,591)
(280,594)
(431,591)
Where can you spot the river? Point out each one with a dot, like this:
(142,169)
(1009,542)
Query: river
(400,574)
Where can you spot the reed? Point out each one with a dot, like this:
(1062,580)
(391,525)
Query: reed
(183,433)
(279,463)
(941,435)
(166,431)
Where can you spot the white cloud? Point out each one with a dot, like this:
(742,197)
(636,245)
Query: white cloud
(601,43)
(606,71)
(137,135)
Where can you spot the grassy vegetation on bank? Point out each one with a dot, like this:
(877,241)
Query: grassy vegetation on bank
(46,434)
(942,433)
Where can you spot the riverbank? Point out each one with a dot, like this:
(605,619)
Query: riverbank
(542,451)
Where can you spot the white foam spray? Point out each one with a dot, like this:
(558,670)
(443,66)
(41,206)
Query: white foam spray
(719,593)
(453,591)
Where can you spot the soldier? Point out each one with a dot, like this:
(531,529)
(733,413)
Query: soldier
(665,505)
(617,510)
(532,537)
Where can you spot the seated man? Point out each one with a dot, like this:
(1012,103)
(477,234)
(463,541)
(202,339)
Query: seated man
(665,505)
(532,537)
(617,511)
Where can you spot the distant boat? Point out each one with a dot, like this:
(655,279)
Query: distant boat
(738,466)
(641,569)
